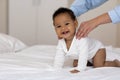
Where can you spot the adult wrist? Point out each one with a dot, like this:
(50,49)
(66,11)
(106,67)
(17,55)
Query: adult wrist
(103,19)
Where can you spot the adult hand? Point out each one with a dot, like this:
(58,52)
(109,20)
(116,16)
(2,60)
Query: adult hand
(88,26)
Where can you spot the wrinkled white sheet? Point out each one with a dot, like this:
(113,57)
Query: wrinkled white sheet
(35,63)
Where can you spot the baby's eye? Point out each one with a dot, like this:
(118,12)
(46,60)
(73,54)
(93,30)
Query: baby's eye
(67,23)
(58,26)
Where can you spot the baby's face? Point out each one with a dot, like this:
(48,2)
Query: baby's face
(65,27)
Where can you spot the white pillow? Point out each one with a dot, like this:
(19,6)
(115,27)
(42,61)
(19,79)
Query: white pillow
(10,44)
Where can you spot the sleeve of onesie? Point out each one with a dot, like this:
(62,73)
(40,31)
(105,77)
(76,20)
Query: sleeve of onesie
(59,58)
(83,54)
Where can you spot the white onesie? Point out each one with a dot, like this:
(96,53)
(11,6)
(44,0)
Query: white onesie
(83,50)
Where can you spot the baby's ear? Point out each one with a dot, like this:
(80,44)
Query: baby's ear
(76,23)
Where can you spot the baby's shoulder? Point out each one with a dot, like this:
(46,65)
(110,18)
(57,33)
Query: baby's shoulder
(83,39)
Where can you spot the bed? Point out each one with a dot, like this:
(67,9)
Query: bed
(35,63)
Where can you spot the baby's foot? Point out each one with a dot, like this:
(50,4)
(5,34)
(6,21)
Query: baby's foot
(117,62)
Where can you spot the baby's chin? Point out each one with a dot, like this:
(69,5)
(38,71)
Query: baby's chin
(60,37)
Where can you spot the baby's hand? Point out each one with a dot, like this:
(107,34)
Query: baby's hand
(74,71)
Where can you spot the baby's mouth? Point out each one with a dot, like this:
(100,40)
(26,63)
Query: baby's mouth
(65,32)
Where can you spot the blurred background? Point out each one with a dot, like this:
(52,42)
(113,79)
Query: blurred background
(31,21)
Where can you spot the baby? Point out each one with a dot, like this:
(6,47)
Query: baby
(65,24)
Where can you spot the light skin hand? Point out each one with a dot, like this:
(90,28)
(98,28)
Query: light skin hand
(74,71)
(87,26)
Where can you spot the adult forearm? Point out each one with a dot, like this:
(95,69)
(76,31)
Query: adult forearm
(87,26)
(102,19)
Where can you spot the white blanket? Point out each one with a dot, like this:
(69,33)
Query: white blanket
(35,63)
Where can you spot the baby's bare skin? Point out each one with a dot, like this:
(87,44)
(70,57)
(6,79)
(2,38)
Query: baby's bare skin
(117,62)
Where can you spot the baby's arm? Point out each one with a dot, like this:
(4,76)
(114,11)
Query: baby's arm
(59,59)
(83,55)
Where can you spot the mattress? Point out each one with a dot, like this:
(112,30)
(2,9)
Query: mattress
(35,63)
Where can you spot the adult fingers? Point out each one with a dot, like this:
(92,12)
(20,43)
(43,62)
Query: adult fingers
(79,33)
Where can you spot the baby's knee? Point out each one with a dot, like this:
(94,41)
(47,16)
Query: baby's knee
(75,63)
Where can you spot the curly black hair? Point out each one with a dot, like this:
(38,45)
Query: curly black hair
(64,10)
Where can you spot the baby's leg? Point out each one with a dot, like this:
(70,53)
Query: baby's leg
(117,62)
(75,63)
(100,57)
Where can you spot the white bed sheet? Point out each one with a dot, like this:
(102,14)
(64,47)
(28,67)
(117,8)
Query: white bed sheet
(35,63)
